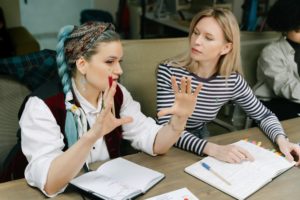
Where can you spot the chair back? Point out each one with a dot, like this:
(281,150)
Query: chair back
(252,44)
(141,59)
(95,15)
(12,94)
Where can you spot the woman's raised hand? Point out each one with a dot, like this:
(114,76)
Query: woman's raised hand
(185,99)
(106,121)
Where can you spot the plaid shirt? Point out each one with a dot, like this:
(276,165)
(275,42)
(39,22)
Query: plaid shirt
(32,69)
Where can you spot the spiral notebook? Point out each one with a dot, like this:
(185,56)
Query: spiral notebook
(244,178)
(118,179)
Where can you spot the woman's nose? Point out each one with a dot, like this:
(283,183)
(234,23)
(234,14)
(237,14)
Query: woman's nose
(199,40)
(118,69)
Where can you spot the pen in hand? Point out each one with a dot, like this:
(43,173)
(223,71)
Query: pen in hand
(206,166)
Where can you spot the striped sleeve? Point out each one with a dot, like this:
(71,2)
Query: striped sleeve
(165,98)
(267,121)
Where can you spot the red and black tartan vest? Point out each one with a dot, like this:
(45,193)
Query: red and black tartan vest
(51,93)
(56,104)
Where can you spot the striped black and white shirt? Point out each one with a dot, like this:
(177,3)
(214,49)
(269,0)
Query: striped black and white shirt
(216,91)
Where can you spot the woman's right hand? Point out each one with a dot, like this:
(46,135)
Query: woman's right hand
(228,153)
(106,121)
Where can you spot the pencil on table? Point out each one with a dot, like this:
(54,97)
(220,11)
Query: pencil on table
(206,166)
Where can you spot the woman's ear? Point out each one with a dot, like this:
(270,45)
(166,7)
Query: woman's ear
(226,48)
(81,65)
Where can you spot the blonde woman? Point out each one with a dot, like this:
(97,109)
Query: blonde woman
(213,60)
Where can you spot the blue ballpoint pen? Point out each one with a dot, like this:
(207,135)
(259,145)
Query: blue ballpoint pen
(206,166)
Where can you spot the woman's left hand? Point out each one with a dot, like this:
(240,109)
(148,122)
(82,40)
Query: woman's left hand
(185,99)
(107,121)
(184,104)
(289,149)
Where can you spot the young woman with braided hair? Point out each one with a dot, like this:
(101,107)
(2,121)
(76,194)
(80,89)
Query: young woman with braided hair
(68,122)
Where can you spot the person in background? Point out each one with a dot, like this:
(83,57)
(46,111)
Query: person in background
(278,80)
(213,60)
(84,115)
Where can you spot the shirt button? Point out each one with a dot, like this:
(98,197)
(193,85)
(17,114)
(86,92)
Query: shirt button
(94,147)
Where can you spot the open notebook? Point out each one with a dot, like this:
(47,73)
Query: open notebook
(118,179)
(244,178)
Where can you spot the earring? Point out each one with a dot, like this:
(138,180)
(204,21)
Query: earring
(83,83)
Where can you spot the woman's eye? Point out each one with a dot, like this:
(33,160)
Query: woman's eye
(209,38)
(196,32)
(109,61)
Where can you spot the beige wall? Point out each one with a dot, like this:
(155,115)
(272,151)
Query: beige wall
(11,9)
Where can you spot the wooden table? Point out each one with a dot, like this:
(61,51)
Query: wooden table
(286,186)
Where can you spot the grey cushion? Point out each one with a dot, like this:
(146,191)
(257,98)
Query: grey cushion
(12,94)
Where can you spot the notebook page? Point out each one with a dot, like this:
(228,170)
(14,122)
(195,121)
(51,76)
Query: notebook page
(179,194)
(130,173)
(242,185)
(267,160)
(104,186)
(246,177)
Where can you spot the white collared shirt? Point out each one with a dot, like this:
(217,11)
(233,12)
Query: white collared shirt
(42,140)
(277,72)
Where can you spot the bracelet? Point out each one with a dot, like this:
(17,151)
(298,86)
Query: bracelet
(174,129)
